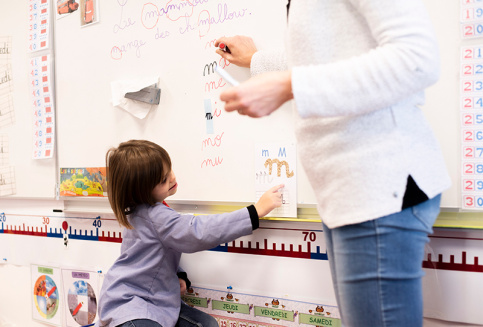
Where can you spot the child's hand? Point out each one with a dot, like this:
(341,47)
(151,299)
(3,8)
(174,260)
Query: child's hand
(182,286)
(270,200)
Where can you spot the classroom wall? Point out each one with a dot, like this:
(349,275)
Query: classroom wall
(452,286)
(453,281)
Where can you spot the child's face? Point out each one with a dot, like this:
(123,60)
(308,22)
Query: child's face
(165,188)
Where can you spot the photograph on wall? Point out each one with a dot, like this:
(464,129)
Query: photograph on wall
(66,7)
(89,12)
(81,289)
(46,292)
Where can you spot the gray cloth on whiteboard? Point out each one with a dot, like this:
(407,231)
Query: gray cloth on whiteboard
(359,70)
(143,281)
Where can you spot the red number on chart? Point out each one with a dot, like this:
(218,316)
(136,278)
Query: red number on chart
(468,119)
(468,86)
(468,14)
(310,235)
(467,103)
(469,202)
(468,30)
(469,169)
(467,69)
(469,185)
(469,152)
(468,136)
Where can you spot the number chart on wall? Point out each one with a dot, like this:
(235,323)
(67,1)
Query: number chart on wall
(472,106)
(472,126)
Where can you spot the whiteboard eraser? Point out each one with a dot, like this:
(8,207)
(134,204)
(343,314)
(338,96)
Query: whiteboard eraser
(150,94)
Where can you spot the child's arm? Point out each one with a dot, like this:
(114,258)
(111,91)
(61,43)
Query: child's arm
(189,233)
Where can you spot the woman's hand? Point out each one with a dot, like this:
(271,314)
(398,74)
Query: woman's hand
(260,95)
(241,49)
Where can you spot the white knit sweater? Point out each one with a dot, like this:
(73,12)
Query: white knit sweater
(359,70)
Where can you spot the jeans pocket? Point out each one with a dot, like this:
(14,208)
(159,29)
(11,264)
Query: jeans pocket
(427,212)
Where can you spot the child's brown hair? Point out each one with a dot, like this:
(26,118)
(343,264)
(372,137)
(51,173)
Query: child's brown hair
(134,169)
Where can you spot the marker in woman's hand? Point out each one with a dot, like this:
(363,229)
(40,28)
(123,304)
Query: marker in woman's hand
(224,47)
(227,77)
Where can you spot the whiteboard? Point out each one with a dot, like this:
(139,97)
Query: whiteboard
(135,40)
(130,42)
(33,178)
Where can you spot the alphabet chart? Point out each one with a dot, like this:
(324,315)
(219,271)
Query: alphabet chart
(276,164)
(38,25)
(43,107)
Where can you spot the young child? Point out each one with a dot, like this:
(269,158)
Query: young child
(142,288)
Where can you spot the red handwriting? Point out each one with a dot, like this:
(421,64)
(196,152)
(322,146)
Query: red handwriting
(214,142)
(217,112)
(210,44)
(223,63)
(116,53)
(212,162)
(149,15)
(214,85)
(204,24)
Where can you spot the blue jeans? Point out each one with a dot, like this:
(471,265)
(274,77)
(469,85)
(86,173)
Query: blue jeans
(376,267)
(188,317)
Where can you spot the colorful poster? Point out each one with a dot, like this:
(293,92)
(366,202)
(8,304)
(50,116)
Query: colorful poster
(83,181)
(46,294)
(277,164)
(81,289)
